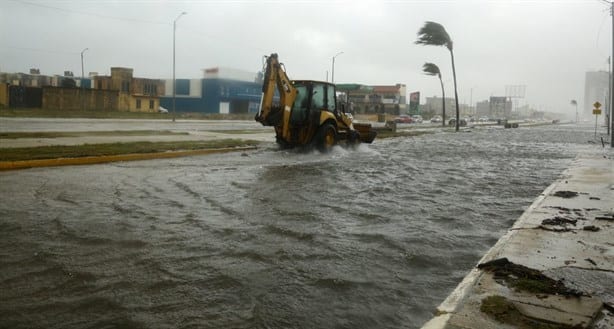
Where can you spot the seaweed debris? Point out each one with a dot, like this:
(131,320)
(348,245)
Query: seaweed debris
(607,217)
(591,228)
(557,220)
(524,278)
(566,194)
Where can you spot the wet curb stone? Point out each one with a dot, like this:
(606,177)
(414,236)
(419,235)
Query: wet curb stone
(566,236)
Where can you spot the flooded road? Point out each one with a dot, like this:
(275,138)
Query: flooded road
(368,238)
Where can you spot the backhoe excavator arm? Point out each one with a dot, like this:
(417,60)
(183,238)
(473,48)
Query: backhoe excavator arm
(275,78)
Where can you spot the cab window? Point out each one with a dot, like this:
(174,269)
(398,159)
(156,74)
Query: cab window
(317,100)
(300,106)
(332,105)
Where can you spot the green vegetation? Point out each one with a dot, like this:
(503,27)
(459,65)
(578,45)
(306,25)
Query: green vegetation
(504,311)
(500,308)
(75,151)
(57,134)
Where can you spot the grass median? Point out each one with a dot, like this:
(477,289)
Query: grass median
(59,134)
(92,150)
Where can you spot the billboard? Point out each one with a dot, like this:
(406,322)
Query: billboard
(414,102)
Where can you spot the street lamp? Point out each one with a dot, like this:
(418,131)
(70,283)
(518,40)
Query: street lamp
(174,81)
(82,76)
(332,79)
(473,109)
(82,70)
(575,103)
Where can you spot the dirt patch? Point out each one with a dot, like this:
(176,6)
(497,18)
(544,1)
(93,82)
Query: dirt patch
(527,279)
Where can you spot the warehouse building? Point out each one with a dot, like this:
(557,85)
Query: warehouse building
(221,90)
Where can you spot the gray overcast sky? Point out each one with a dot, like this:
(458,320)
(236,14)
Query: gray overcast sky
(546,45)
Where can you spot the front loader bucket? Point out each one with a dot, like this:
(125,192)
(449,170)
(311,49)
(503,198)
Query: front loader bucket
(367,134)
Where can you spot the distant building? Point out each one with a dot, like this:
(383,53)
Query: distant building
(33,79)
(500,107)
(482,108)
(221,90)
(497,107)
(390,99)
(595,90)
(135,94)
(434,106)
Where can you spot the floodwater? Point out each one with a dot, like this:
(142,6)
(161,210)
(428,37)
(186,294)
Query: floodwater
(370,238)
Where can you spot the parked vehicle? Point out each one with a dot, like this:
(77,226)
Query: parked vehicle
(436,118)
(417,118)
(162,110)
(403,118)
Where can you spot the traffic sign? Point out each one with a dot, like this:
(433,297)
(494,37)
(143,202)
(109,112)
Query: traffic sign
(597,105)
(597,111)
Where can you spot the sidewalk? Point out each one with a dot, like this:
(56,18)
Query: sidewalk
(553,269)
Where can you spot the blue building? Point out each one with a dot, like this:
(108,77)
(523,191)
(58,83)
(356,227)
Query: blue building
(222,90)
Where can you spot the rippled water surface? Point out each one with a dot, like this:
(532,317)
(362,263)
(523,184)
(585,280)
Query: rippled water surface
(369,238)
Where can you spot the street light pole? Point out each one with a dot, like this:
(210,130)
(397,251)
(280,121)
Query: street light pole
(82,76)
(174,81)
(610,78)
(332,78)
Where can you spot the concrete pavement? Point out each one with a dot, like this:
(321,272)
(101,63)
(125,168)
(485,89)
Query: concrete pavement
(553,269)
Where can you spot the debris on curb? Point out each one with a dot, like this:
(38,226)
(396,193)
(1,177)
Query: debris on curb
(566,194)
(591,228)
(527,279)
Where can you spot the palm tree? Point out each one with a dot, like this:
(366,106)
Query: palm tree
(434,34)
(432,69)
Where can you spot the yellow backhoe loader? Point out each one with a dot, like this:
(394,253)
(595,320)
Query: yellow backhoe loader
(307,113)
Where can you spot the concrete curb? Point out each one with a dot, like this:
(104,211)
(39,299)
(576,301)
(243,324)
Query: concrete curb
(582,258)
(15,165)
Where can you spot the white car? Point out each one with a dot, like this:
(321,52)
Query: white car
(162,110)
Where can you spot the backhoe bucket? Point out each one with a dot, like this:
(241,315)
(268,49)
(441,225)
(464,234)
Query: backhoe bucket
(367,134)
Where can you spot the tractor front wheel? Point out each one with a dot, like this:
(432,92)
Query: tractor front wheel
(326,138)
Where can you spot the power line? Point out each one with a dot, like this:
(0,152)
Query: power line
(41,50)
(90,14)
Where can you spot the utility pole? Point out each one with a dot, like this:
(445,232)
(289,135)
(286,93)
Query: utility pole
(471,101)
(610,79)
(82,77)
(609,103)
(332,78)
(174,81)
